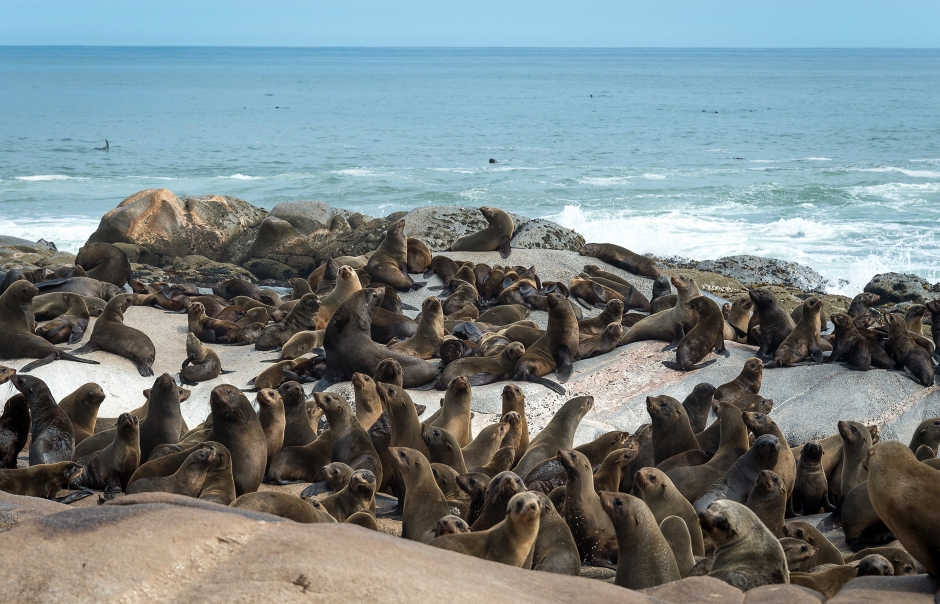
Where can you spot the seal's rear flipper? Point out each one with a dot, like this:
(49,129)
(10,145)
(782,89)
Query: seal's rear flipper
(78,332)
(315,489)
(73,497)
(481,379)
(65,356)
(504,248)
(46,285)
(408,307)
(226,372)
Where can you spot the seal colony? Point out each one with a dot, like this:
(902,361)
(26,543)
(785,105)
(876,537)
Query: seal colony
(673,498)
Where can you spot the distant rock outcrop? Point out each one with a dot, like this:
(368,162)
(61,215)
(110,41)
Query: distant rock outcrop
(898,287)
(755,270)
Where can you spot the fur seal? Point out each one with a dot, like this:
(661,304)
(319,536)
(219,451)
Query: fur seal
(284,505)
(698,405)
(746,555)
(900,489)
(862,304)
(84,286)
(236,426)
(736,484)
(389,263)
(301,343)
(424,502)
(811,488)
(591,527)
(419,256)
(906,352)
(826,552)
(49,306)
(505,314)
(273,420)
(760,424)
(349,347)
(499,491)
(509,542)
(747,382)
(187,480)
(632,298)
(302,317)
(104,262)
(68,327)
(613,313)
(556,436)
(555,550)
(556,349)
(495,237)
(603,343)
(664,500)
(775,323)
(297,429)
(708,334)
(668,325)
(827,582)
(768,500)
(513,400)
(850,345)
(51,436)
(112,335)
(347,283)
(14,429)
(426,342)
(43,480)
(111,468)
(202,363)
(487,370)
(803,340)
(357,496)
(645,558)
(676,533)
(82,408)
(351,443)
(210,329)
(622,258)
(487,442)
(455,412)
(17,339)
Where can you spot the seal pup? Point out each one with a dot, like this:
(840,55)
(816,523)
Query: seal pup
(351,442)
(350,348)
(43,480)
(187,480)
(424,502)
(389,263)
(811,487)
(70,326)
(357,496)
(747,555)
(768,500)
(591,527)
(51,436)
(82,408)
(556,349)
(707,335)
(111,468)
(554,550)
(664,500)
(481,370)
(419,256)
(747,382)
(495,237)
(284,505)
(454,415)
(112,335)
(622,258)
(862,304)
(17,339)
(737,482)
(645,557)
(302,317)
(273,420)
(202,363)
(14,429)
(426,342)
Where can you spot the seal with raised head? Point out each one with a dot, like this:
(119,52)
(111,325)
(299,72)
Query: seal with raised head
(111,468)
(202,363)
(622,258)
(556,436)
(426,342)
(51,436)
(811,487)
(664,500)
(487,370)
(495,237)
(424,502)
(668,325)
(302,317)
(357,496)
(555,550)
(591,527)
(557,347)
(454,415)
(82,408)
(104,262)
(775,323)
(112,335)
(351,442)
(747,382)
(645,557)
(906,352)
(14,429)
(187,480)
(736,483)
(389,263)
(707,335)
(747,554)
(236,426)
(350,348)
(768,500)
(803,340)
(17,340)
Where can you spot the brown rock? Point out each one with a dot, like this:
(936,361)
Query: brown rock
(783,594)
(696,590)
(910,589)
(169,226)
(15,509)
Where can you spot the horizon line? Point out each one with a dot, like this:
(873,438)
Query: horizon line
(488,47)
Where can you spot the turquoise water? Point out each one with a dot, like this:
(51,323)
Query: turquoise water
(830,158)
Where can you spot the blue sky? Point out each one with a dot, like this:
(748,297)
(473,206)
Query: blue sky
(605,23)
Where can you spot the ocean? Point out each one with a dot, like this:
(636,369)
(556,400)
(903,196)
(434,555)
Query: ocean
(830,158)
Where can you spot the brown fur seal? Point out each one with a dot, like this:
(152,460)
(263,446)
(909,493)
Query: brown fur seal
(347,283)
(14,429)
(505,314)
(302,343)
(664,500)
(811,488)
(632,298)
(556,349)
(827,582)
(906,352)
(555,550)
(676,534)
(187,480)
(68,327)
(900,489)
(826,552)
(927,433)
(112,335)
(43,480)
(862,304)
(591,527)
(202,363)
(592,346)
(297,429)
(486,370)
(747,382)
(622,258)
(50,306)
(419,256)
(768,500)
(850,345)
(487,442)
(739,316)
(424,502)
(736,483)
(104,262)
(389,263)
(513,399)
(111,468)
(760,424)
(351,443)
(803,341)
(775,323)
(209,329)
(707,335)
(443,450)
(302,317)
(236,426)
(83,286)
(349,346)
(17,339)
(273,420)
(668,325)
(495,237)
(82,408)
(426,342)
(556,436)
(357,496)
(747,555)
(499,491)
(51,436)
(645,558)
(613,313)
(698,405)
(455,413)
(284,505)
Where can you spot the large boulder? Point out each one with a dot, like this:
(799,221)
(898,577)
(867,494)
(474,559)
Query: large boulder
(755,270)
(28,255)
(899,287)
(541,234)
(164,226)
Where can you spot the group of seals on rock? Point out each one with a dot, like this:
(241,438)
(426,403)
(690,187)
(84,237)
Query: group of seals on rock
(677,498)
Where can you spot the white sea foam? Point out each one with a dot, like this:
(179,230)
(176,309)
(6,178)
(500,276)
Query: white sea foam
(68,232)
(244,177)
(44,177)
(356,172)
(905,171)
(815,159)
(604,181)
(651,176)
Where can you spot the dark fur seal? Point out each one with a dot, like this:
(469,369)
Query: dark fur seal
(236,426)
(70,326)
(645,558)
(51,437)
(803,340)
(202,363)
(17,339)
(82,408)
(389,263)
(737,482)
(557,435)
(591,527)
(906,352)
(111,468)
(747,382)
(112,335)
(349,347)
(351,443)
(302,317)
(668,325)
(707,335)
(104,262)
(664,500)
(495,237)
(44,480)
(775,323)
(811,488)
(556,349)
(424,502)
(419,256)
(14,429)
(622,258)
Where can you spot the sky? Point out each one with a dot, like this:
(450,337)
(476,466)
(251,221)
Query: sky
(540,23)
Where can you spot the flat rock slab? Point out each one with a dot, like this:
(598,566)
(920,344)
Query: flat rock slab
(165,551)
(912,589)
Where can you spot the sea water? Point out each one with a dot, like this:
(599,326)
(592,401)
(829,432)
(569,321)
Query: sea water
(830,158)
